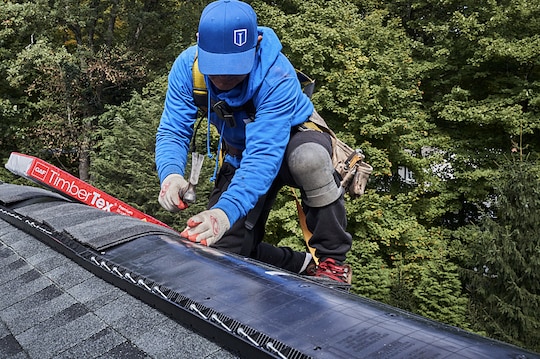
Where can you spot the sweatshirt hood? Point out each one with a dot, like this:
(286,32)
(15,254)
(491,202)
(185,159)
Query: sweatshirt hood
(267,52)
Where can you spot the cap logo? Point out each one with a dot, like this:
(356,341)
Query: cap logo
(240,37)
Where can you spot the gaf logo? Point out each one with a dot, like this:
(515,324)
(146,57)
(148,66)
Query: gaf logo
(40,171)
(240,37)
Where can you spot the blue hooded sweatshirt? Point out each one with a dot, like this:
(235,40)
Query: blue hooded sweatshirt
(280,105)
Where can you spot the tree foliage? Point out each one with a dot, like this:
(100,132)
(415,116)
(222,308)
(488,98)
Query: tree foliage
(368,91)
(68,61)
(444,90)
(503,272)
(480,87)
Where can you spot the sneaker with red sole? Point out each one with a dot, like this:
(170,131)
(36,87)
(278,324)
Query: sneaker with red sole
(331,269)
(330,273)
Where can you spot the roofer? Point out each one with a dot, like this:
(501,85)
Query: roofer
(243,67)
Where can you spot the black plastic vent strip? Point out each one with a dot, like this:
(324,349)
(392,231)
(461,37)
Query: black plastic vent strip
(247,341)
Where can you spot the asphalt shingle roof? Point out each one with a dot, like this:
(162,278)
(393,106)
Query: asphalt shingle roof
(50,307)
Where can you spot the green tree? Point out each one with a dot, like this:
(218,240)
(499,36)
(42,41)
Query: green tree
(77,58)
(122,160)
(368,91)
(481,88)
(481,93)
(15,34)
(503,267)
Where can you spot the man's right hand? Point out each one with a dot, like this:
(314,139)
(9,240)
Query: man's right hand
(173,189)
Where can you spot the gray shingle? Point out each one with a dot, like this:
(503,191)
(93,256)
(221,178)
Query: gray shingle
(14,193)
(52,308)
(74,331)
(125,307)
(12,267)
(46,259)
(22,286)
(26,248)
(66,273)
(125,350)
(35,309)
(9,236)
(138,320)
(10,347)
(96,345)
(165,342)
(93,293)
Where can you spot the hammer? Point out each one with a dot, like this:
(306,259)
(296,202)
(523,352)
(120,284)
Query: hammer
(197,160)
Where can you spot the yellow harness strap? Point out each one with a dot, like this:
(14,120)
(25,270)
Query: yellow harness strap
(199,86)
(312,126)
(305,231)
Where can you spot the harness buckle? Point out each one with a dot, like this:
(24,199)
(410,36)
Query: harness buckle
(224,112)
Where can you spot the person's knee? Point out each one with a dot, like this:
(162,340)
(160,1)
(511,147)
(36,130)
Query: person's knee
(311,167)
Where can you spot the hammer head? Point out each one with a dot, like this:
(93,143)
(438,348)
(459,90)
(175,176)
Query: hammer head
(197,160)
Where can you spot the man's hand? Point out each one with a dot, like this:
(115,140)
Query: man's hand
(172,190)
(207,227)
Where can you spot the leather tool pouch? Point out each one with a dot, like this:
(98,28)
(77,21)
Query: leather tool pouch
(348,163)
(351,167)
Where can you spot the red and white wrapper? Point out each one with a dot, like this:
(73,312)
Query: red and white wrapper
(68,185)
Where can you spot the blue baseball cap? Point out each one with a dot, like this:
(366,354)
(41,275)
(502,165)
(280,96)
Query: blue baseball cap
(227,38)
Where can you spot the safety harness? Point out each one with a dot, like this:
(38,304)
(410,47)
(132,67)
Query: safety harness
(225,112)
(348,163)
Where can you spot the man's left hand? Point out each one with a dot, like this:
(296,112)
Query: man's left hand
(207,227)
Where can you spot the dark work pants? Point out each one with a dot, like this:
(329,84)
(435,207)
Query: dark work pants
(328,224)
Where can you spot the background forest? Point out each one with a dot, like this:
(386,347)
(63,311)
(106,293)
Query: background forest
(443,97)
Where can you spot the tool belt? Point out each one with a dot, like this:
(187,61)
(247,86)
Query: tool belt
(348,163)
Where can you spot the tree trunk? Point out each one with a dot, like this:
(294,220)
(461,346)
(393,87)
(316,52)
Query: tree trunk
(84,157)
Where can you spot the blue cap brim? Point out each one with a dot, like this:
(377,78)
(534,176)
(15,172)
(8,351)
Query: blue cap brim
(226,64)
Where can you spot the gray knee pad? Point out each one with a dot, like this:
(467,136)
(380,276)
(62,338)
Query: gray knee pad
(311,167)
